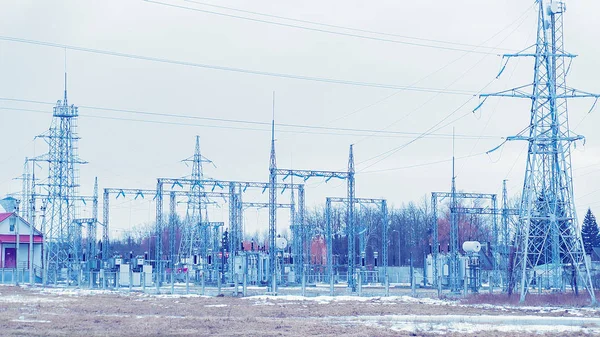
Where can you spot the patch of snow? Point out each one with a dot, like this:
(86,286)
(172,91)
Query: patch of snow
(420,300)
(114,315)
(263,302)
(29,320)
(215,305)
(470,324)
(155,316)
(176,296)
(77,291)
(329,299)
(318,299)
(29,299)
(534,309)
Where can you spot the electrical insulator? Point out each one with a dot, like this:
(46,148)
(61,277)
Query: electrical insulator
(225,240)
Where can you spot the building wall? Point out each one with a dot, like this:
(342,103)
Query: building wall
(23,254)
(5,226)
(23,226)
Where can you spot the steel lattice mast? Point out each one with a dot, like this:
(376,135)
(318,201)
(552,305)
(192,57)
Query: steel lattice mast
(548,236)
(192,241)
(350,223)
(272,202)
(63,187)
(454,258)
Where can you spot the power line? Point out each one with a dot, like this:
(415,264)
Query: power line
(238,70)
(425,103)
(495,109)
(421,165)
(391,152)
(414,44)
(487,122)
(522,16)
(347,28)
(334,131)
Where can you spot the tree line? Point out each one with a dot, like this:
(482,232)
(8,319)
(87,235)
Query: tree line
(409,233)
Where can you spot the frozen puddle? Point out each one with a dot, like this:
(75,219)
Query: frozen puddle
(468,324)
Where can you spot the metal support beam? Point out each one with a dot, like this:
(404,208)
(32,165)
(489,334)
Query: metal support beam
(303,229)
(159,234)
(172,225)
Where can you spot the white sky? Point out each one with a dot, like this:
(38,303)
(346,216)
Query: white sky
(132,154)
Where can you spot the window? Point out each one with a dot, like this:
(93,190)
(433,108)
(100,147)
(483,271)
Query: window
(12,222)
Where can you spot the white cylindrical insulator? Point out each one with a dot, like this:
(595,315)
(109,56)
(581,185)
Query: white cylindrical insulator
(281,243)
(471,246)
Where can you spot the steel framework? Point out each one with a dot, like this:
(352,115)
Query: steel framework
(305,175)
(59,209)
(192,236)
(235,189)
(455,210)
(548,237)
(89,250)
(384,234)
(119,192)
(159,266)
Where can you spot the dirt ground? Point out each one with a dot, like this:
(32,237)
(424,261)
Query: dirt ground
(59,312)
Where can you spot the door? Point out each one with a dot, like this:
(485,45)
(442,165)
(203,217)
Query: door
(10,256)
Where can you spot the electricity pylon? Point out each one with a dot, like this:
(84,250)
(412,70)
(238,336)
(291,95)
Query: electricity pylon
(548,242)
(60,231)
(194,234)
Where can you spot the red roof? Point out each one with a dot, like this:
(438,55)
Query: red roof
(4,216)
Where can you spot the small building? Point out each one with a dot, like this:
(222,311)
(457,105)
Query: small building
(10,223)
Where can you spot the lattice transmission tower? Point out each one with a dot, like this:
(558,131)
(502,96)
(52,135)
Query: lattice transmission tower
(195,236)
(549,249)
(61,233)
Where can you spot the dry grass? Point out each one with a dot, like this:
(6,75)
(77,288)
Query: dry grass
(537,300)
(30,312)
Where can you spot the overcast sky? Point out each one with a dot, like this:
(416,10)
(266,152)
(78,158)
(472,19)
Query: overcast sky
(126,149)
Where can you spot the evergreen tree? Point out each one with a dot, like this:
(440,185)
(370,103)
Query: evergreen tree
(589,232)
